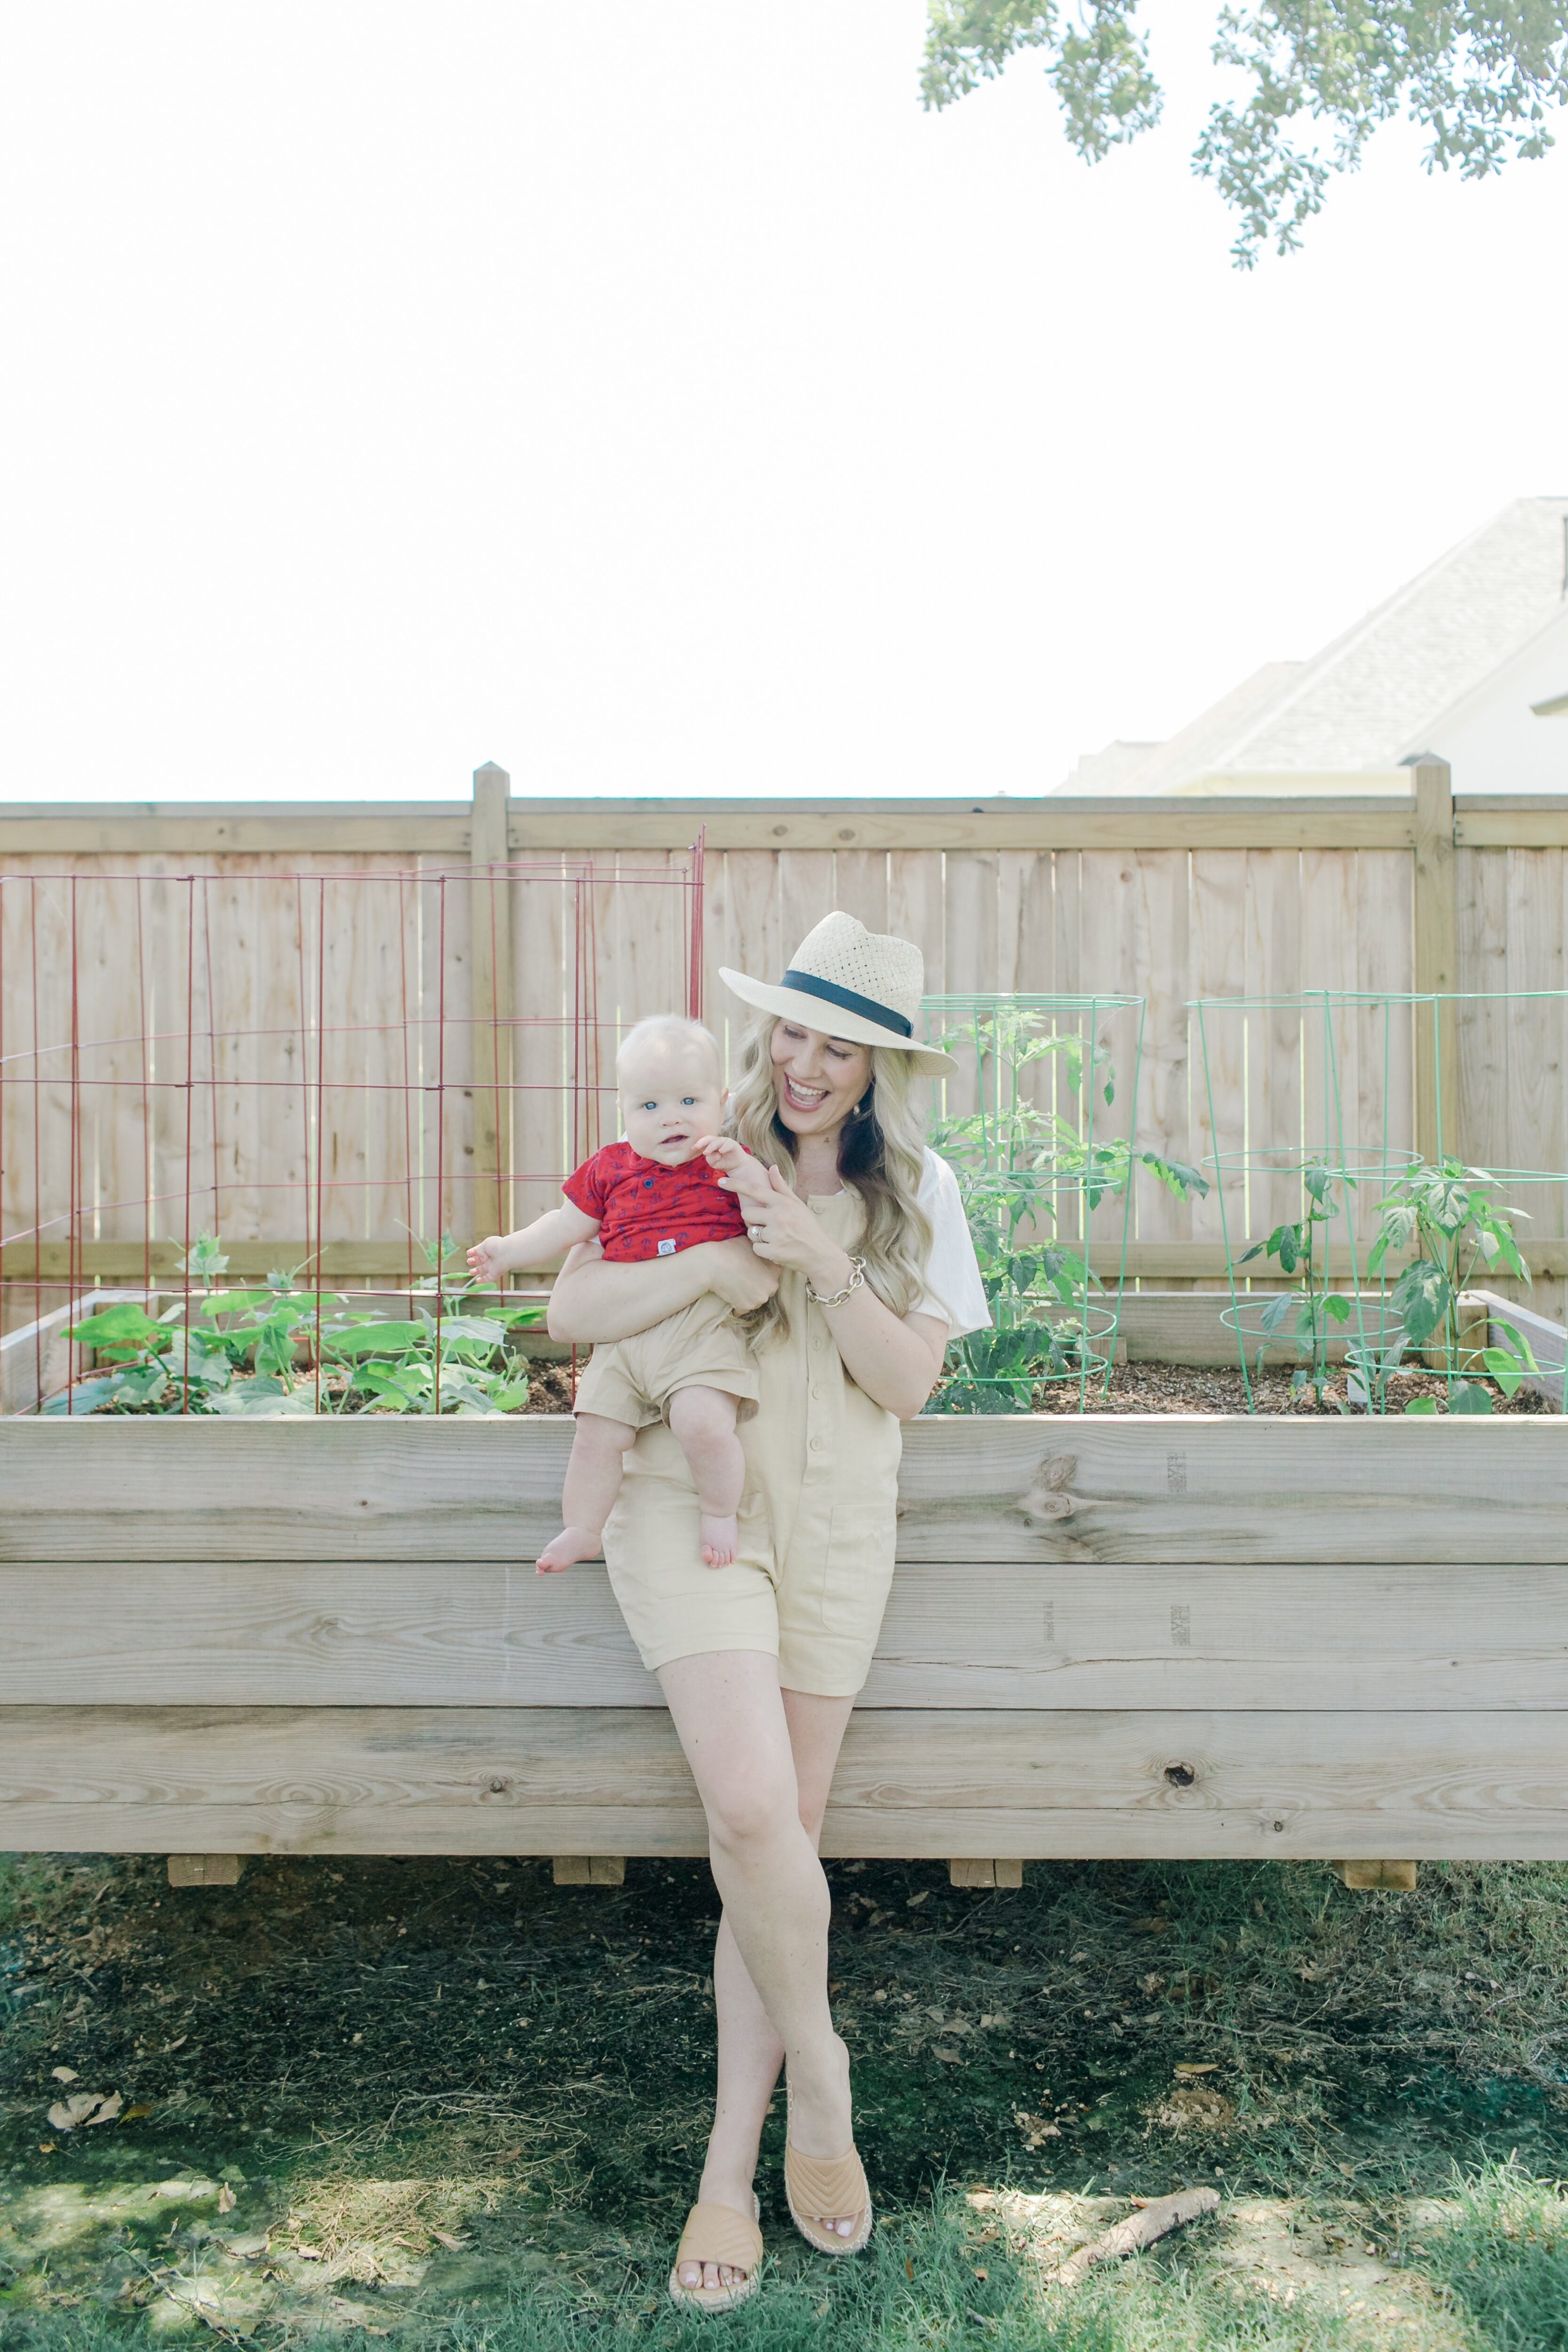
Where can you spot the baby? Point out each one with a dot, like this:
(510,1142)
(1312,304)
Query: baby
(649,1196)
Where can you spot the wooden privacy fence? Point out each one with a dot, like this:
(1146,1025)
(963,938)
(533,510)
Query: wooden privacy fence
(401,1017)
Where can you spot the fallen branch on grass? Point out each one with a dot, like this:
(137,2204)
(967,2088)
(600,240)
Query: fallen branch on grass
(1156,2220)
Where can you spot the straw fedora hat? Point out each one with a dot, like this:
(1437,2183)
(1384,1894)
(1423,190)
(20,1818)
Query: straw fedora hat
(852,983)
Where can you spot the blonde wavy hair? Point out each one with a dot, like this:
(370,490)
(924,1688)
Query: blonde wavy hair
(881,1156)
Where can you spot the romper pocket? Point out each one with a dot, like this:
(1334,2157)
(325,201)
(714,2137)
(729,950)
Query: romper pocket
(859,1571)
(862,1533)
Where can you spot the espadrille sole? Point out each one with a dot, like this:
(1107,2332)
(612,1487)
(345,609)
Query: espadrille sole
(722,2235)
(816,2184)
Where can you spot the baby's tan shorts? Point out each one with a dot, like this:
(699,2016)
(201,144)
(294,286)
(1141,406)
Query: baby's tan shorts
(633,1380)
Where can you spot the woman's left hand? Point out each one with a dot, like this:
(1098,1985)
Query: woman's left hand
(783,1230)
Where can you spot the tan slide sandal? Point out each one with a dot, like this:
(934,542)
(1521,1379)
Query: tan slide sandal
(717,2233)
(818,2184)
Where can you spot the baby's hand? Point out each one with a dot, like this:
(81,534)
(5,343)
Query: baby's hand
(741,1174)
(487,1259)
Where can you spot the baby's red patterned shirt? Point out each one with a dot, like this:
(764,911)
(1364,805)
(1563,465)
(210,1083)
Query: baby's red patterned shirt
(646,1209)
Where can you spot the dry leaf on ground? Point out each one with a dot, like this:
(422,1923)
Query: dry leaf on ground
(66,2114)
(65,2074)
(1037,2129)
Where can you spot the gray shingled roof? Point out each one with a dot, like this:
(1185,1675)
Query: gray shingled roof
(1366,698)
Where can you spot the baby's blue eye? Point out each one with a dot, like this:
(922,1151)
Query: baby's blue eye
(648,1106)
(687,1102)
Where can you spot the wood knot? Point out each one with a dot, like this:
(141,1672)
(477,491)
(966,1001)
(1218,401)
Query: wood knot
(1181,1776)
(1049,1494)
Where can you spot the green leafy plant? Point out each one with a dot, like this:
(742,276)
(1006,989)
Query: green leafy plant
(1510,1366)
(1309,1313)
(1449,1215)
(1368,1368)
(253,1353)
(1015,1160)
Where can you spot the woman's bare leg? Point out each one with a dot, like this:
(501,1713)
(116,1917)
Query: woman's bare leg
(741,1738)
(749,2053)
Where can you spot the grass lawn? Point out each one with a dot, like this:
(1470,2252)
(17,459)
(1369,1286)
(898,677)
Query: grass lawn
(448,2104)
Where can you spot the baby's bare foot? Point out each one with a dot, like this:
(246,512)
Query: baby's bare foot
(570,1546)
(720,1537)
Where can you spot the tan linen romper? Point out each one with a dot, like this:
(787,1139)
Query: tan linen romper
(701,1346)
(810,1580)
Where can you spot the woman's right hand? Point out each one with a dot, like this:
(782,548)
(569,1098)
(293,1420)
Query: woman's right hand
(735,1271)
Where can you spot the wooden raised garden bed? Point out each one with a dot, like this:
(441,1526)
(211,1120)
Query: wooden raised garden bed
(1110,1635)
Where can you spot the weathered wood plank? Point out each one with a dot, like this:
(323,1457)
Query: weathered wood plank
(805,894)
(1161,967)
(860,886)
(1483,823)
(392,829)
(491,1001)
(1201,821)
(541,951)
(432,827)
(1193,1487)
(1537,1139)
(205,1869)
(1186,1326)
(747,937)
(590,1869)
(1479,1118)
(1106,1487)
(1436,946)
(1386,1097)
(1003,1634)
(582,1782)
(1219,1040)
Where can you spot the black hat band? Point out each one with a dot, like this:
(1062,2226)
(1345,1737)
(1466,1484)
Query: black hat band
(866,1006)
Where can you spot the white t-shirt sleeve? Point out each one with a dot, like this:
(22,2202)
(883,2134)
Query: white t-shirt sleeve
(953,1286)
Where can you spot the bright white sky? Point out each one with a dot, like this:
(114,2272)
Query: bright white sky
(653,399)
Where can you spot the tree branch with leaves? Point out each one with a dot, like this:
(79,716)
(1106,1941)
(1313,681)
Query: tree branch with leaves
(1317,78)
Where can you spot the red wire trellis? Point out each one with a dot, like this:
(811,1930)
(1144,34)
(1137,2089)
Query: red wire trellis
(134,1115)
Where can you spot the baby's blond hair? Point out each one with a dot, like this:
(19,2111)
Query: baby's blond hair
(672,1032)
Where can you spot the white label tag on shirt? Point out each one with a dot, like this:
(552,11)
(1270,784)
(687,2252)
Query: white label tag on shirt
(667,1249)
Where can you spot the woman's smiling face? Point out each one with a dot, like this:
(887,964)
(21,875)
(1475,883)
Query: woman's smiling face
(818,1079)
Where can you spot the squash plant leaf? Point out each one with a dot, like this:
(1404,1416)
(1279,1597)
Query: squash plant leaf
(125,1325)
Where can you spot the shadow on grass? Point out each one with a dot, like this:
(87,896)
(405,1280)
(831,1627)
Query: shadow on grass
(446,2106)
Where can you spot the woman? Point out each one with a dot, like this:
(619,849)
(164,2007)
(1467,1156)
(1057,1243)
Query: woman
(862,1268)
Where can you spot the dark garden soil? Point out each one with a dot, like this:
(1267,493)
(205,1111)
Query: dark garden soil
(1188,1387)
